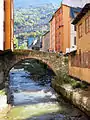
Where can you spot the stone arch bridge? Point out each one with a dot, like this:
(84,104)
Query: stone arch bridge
(8,59)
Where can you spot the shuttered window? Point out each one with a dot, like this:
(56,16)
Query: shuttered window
(87,24)
(80,30)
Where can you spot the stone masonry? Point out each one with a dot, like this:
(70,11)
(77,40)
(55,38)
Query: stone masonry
(8,59)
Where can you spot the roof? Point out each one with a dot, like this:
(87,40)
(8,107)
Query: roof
(74,10)
(52,17)
(46,33)
(84,10)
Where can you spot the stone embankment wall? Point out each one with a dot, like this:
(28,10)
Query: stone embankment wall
(80,98)
(79,94)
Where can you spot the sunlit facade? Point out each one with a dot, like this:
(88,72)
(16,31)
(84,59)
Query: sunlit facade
(79,62)
(6,24)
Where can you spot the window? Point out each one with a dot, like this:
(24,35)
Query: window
(87,24)
(75,28)
(80,30)
(74,40)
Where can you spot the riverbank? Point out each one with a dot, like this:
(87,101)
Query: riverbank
(3,104)
(79,97)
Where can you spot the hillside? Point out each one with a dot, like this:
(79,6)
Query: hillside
(33,19)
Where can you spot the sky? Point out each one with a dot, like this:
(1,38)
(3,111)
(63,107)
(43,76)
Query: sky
(35,2)
(38,1)
(79,3)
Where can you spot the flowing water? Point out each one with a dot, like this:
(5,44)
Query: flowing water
(36,100)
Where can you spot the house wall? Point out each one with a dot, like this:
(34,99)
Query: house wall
(84,42)
(46,42)
(66,28)
(58,27)
(57,30)
(72,32)
(1,24)
(12,24)
(62,29)
(52,34)
(9,24)
(79,64)
(72,35)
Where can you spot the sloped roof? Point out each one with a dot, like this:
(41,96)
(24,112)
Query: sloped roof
(46,33)
(74,10)
(84,10)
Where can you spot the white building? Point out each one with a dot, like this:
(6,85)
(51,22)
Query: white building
(73,13)
(1,24)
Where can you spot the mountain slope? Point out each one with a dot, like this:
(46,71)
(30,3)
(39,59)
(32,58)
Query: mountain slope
(33,18)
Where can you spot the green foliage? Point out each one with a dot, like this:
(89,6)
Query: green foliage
(34,18)
(32,22)
(2,92)
(66,60)
(16,43)
(36,68)
(78,84)
(62,77)
(23,46)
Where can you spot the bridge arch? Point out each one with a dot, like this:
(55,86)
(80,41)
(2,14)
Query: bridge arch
(28,60)
(53,60)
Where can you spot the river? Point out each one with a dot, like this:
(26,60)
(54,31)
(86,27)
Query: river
(36,99)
